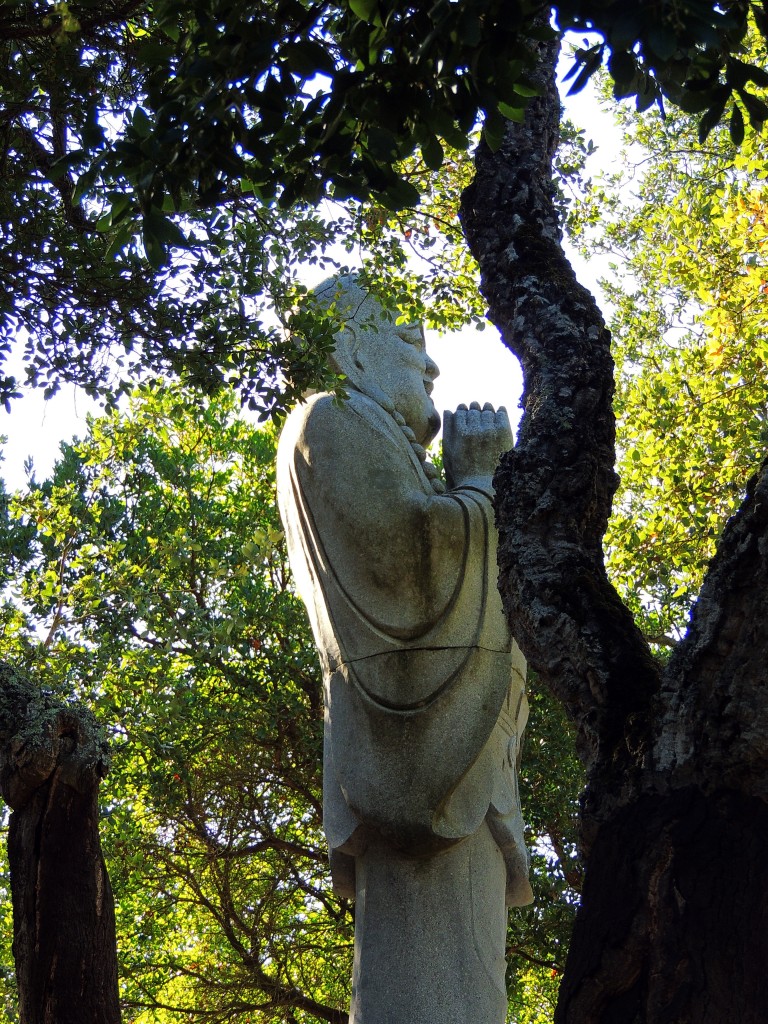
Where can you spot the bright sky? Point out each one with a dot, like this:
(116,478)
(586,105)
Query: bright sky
(474,365)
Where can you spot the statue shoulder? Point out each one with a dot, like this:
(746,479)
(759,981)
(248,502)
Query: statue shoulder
(325,423)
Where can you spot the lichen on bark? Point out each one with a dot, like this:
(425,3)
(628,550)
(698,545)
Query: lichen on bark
(554,489)
(53,757)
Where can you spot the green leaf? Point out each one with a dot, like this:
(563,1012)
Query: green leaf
(382,145)
(432,152)
(141,123)
(662,41)
(400,195)
(349,188)
(84,184)
(494,129)
(364,9)
(93,132)
(591,62)
(736,125)
(712,117)
(120,240)
(306,58)
(622,66)
(693,101)
(757,109)
(163,229)
(626,27)
(759,76)
(761,20)
(516,114)
(58,168)
(526,89)
(644,100)
(157,254)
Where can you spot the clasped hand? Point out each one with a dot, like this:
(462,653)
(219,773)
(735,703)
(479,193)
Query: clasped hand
(473,441)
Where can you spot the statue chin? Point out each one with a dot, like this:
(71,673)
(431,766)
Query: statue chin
(420,415)
(433,424)
(426,425)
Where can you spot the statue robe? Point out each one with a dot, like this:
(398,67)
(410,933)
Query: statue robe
(424,686)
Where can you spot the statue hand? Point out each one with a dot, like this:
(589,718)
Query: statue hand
(473,441)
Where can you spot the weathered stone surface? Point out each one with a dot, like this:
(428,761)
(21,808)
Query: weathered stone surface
(424,686)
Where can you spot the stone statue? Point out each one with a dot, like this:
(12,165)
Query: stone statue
(424,686)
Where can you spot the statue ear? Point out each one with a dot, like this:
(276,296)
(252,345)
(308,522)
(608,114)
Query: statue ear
(354,348)
(349,355)
(351,359)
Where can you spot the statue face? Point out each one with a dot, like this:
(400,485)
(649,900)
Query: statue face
(395,357)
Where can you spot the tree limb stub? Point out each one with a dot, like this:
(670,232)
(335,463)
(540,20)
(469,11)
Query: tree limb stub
(715,691)
(40,736)
(52,759)
(554,489)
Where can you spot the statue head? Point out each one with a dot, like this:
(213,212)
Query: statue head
(386,361)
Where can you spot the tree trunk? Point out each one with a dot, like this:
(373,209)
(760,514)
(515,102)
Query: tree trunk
(672,928)
(52,760)
(674,915)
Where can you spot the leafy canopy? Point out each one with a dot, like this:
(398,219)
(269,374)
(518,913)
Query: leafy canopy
(163,163)
(150,580)
(685,229)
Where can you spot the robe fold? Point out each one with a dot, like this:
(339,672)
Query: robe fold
(424,685)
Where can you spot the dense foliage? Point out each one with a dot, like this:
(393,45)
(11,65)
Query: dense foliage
(152,583)
(684,226)
(102,288)
(156,589)
(158,199)
(151,151)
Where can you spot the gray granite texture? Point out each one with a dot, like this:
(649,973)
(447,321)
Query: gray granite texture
(424,686)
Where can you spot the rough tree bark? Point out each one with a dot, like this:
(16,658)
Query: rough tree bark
(52,760)
(673,927)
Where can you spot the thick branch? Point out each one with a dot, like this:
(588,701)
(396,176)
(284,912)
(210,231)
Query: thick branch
(29,144)
(554,490)
(715,725)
